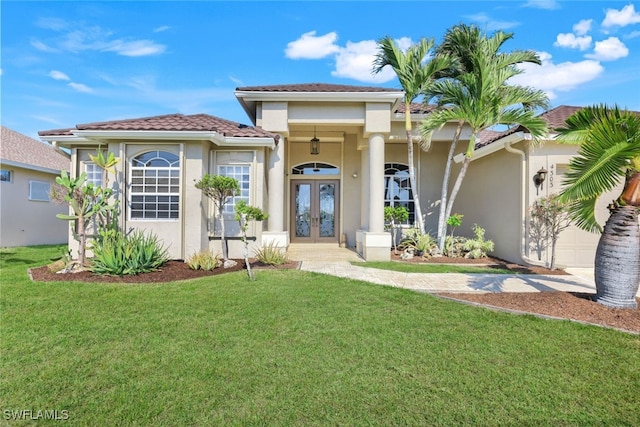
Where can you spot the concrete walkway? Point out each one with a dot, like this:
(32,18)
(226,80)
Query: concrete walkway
(335,261)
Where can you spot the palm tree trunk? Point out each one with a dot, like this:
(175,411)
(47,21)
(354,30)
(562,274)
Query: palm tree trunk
(414,187)
(223,239)
(412,175)
(617,264)
(457,185)
(442,219)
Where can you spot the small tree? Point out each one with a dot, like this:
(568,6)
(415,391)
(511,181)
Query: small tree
(244,214)
(88,201)
(393,214)
(554,214)
(454,221)
(219,189)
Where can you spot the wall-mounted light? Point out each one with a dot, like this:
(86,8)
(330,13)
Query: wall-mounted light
(539,178)
(355,174)
(315,144)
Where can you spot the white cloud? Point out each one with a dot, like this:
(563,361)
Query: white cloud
(571,41)
(308,46)
(78,37)
(633,35)
(355,61)
(543,4)
(553,78)
(583,27)
(135,48)
(621,18)
(161,29)
(80,87)
(490,24)
(47,119)
(609,50)
(42,47)
(236,81)
(58,75)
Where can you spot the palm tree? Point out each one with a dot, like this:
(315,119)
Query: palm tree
(609,141)
(477,94)
(416,73)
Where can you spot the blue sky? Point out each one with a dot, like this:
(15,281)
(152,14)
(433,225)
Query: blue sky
(64,63)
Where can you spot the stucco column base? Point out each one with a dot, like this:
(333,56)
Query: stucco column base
(375,246)
(276,238)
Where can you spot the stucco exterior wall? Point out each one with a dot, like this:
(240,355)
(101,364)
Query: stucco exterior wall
(575,247)
(27,222)
(490,197)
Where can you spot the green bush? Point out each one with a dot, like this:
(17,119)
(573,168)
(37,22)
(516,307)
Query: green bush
(478,247)
(271,254)
(117,254)
(204,260)
(418,241)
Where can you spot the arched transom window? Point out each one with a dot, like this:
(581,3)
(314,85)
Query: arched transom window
(315,169)
(155,186)
(397,188)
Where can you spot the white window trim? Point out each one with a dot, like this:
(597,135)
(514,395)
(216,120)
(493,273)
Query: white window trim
(132,193)
(31,196)
(10,172)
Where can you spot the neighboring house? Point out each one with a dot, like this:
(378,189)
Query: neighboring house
(28,169)
(322,160)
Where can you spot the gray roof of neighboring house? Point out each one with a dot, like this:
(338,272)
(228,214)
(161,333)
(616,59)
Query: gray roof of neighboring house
(170,122)
(19,149)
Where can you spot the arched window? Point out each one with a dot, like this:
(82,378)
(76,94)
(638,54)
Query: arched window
(155,186)
(397,188)
(315,169)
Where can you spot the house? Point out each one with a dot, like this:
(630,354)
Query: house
(321,159)
(503,182)
(28,169)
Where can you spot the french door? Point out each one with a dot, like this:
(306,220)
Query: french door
(314,211)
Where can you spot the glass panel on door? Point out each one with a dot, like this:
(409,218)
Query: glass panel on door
(315,211)
(302,210)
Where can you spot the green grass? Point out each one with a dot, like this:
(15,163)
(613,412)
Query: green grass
(408,267)
(297,348)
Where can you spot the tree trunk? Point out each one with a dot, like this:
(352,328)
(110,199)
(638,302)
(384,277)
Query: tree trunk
(457,185)
(82,241)
(617,264)
(442,220)
(223,239)
(412,176)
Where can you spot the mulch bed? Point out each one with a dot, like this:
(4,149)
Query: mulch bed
(170,272)
(489,262)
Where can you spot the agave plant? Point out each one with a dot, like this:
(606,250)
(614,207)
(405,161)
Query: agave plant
(609,151)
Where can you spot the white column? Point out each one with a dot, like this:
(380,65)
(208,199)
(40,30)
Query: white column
(376,183)
(276,187)
(364,189)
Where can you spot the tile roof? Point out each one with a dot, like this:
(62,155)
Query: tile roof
(415,108)
(315,87)
(170,122)
(555,119)
(19,148)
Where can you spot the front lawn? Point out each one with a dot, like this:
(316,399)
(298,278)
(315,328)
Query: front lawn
(297,348)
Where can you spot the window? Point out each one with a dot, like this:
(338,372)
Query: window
(39,191)
(94,174)
(5,175)
(241,173)
(315,169)
(397,188)
(155,186)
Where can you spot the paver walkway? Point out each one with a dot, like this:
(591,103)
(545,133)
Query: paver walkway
(330,259)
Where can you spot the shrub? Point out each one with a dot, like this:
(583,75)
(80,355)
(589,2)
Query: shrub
(478,247)
(418,241)
(118,254)
(271,254)
(204,260)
